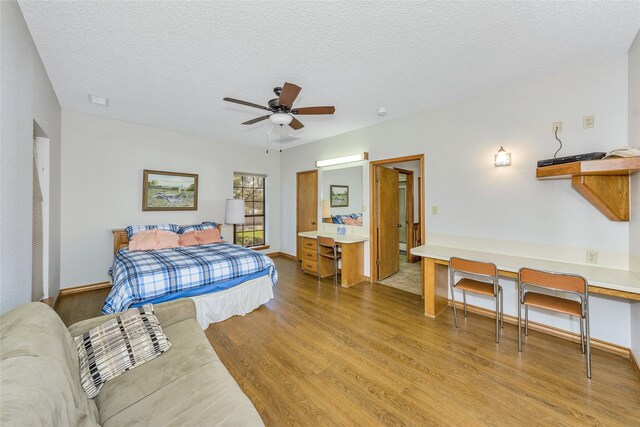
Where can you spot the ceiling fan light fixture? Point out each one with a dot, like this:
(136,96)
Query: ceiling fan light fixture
(280,119)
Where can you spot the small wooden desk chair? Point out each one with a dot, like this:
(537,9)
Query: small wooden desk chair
(480,270)
(530,282)
(328,248)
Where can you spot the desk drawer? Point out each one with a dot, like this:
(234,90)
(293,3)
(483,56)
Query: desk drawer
(310,266)
(308,255)
(309,244)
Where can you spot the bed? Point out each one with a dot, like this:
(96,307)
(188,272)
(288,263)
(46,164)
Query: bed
(222,279)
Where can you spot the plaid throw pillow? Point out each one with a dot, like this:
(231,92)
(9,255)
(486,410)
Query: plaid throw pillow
(122,343)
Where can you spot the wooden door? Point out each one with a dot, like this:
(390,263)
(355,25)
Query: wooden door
(409,218)
(306,205)
(388,213)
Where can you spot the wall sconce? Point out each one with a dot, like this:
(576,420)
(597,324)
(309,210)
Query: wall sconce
(341,160)
(502,158)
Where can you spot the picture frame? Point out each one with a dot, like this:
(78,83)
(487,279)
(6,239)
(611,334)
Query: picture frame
(339,196)
(169,191)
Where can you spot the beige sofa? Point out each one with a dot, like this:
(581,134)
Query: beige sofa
(187,386)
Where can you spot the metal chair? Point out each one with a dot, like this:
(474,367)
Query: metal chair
(480,270)
(530,282)
(325,243)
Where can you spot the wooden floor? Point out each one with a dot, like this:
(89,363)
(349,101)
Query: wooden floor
(320,355)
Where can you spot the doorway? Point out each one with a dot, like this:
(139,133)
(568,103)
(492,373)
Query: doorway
(397,218)
(40,211)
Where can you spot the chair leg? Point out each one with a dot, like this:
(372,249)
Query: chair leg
(587,333)
(335,271)
(464,302)
(497,319)
(501,309)
(455,312)
(519,320)
(526,320)
(582,334)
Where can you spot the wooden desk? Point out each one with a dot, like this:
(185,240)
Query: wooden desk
(352,247)
(435,274)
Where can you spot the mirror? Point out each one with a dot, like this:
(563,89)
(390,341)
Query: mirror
(341,196)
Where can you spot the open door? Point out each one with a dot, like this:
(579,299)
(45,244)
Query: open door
(388,215)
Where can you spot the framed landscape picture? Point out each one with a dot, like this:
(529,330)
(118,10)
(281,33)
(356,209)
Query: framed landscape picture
(339,196)
(169,191)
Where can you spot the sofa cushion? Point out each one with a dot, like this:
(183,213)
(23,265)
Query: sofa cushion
(39,365)
(206,396)
(162,381)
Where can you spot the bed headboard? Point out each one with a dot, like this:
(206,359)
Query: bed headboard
(121,238)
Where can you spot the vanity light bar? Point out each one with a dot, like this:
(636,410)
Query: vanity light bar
(341,160)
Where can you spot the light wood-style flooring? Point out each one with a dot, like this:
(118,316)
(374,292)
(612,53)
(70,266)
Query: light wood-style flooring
(321,355)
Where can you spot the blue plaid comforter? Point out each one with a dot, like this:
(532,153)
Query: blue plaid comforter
(137,276)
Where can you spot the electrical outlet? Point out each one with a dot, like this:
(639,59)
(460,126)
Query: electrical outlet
(434,210)
(592,257)
(555,125)
(588,122)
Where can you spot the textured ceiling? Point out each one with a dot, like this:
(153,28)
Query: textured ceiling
(169,64)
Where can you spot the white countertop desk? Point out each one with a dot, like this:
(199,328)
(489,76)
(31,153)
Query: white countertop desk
(435,266)
(352,248)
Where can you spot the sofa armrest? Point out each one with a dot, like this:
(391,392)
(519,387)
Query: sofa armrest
(167,313)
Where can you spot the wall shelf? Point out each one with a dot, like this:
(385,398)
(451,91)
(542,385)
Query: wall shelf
(604,183)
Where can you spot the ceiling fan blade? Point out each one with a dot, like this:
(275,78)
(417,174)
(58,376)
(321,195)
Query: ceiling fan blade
(288,94)
(248,104)
(256,120)
(296,124)
(314,110)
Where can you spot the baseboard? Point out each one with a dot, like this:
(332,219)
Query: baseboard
(634,362)
(283,255)
(553,331)
(85,288)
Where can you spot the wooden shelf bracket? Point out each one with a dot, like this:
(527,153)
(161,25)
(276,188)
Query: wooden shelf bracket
(609,194)
(604,183)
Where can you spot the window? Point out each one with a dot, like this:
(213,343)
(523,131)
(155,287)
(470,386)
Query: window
(251,188)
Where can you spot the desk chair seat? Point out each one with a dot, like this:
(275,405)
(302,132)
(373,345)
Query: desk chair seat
(328,248)
(530,284)
(476,286)
(553,303)
(479,270)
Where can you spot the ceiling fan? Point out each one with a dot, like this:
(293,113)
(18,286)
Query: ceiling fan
(281,108)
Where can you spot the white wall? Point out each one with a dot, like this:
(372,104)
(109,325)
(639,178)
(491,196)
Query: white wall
(349,176)
(26,95)
(102,164)
(459,141)
(478,200)
(634,196)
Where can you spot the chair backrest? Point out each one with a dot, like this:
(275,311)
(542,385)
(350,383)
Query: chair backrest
(326,241)
(559,281)
(473,267)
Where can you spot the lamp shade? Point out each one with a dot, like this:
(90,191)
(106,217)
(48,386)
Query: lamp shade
(280,119)
(234,213)
(326,209)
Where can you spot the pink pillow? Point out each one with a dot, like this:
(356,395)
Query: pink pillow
(143,241)
(167,239)
(188,239)
(210,235)
(352,221)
